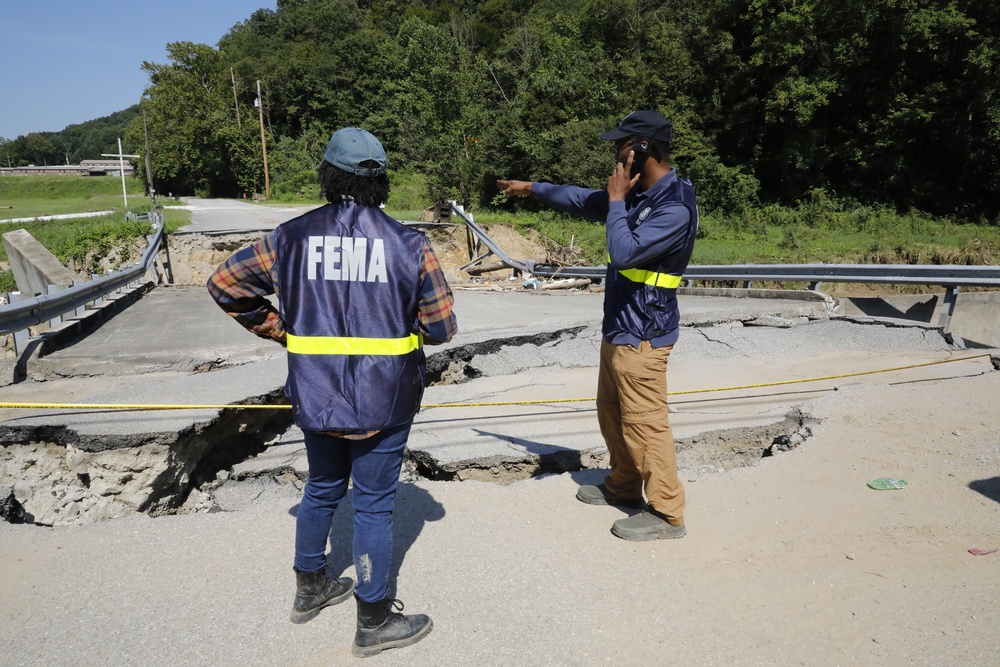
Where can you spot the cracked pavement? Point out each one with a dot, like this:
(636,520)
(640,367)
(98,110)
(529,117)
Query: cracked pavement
(515,350)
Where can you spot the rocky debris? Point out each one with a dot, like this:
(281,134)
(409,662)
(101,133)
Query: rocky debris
(717,451)
(63,478)
(504,469)
(193,257)
(284,462)
(11,510)
(64,484)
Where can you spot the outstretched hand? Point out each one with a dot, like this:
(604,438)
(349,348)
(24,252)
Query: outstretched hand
(515,188)
(619,182)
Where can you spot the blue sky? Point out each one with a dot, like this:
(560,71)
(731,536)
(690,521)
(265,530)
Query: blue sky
(67,61)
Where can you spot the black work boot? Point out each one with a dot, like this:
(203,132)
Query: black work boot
(315,590)
(379,627)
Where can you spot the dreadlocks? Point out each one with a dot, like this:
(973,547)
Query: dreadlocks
(336,183)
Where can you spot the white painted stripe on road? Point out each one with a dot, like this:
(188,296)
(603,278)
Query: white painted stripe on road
(64,216)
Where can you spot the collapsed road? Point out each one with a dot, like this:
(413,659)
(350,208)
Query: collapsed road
(496,409)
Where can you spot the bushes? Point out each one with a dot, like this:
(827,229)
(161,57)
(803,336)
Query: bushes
(302,186)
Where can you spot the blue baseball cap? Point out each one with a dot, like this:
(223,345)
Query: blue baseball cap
(351,146)
(648,124)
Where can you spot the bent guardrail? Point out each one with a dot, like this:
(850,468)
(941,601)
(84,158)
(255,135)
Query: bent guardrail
(18,315)
(952,277)
(945,275)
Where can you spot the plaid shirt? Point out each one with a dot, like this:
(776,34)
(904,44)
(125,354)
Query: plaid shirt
(241,284)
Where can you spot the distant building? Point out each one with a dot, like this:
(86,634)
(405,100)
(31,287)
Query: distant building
(85,168)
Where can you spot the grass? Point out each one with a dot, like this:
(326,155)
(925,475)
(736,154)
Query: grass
(80,242)
(819,230)
(33,196)
(77,242)
(843,236)
(65,187)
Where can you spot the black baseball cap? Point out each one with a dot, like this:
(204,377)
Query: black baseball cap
(648,124)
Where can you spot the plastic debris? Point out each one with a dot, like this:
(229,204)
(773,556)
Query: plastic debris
(981,552)
(886,484)
(531,283)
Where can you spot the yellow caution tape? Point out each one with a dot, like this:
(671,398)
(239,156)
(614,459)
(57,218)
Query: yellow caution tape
(140,406)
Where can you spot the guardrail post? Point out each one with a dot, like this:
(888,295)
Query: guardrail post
(948,307)
(19,337)
(81,309)
(102,297)
(162,267)
(52,289)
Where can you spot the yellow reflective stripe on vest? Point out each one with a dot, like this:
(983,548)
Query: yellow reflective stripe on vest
(652,278)
(345,345)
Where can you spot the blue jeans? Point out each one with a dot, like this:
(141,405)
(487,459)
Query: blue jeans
(374,465)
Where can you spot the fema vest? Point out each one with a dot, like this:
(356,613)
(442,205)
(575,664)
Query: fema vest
(641,303)
(348,293)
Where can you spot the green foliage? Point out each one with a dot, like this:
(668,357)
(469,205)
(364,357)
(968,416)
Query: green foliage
(83,242)
(408,192)
(303,186)
(887,104)
(83,141)
(826,230)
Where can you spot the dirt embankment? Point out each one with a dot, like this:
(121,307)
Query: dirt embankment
(193,257)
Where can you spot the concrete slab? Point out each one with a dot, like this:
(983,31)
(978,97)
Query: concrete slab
(157,351)
(33,266)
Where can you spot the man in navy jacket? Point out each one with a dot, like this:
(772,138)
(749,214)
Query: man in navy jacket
(652,219)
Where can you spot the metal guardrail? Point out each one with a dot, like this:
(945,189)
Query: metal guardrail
(18,315)
(950,276)
(945,275)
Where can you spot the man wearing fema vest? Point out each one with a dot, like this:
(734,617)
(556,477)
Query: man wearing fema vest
(359,294)
(652,220)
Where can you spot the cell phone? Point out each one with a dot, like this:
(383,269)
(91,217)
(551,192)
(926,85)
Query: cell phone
(640,150)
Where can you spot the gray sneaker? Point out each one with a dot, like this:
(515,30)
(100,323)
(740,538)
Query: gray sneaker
(599,495)
(647,525)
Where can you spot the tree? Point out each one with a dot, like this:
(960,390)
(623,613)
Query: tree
(6,152)
(196,144)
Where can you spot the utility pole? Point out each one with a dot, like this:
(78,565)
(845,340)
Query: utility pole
(263,143)
(235,100)
(121,161)
(149,161)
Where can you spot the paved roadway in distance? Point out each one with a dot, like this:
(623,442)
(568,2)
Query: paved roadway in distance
(234,216)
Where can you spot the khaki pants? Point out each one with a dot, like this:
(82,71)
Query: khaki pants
(632,413)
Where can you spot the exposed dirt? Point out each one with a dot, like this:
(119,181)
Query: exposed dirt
(193,257)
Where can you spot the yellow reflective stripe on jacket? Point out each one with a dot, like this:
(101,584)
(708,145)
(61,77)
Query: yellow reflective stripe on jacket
(652,278)
(346,345)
